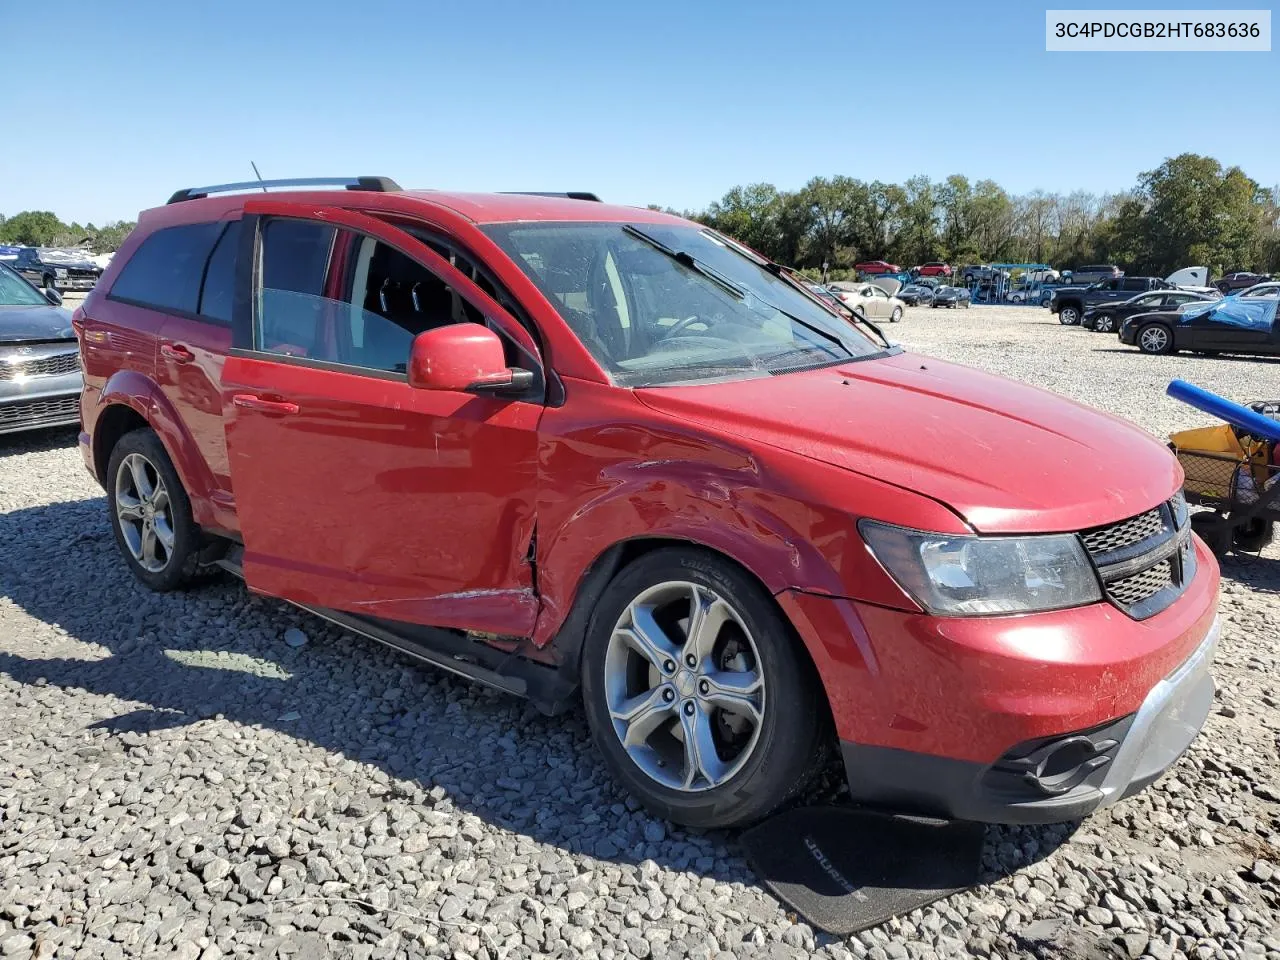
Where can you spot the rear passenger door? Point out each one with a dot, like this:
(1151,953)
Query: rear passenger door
(355,491)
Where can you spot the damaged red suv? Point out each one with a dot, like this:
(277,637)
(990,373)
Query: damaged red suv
(572,450)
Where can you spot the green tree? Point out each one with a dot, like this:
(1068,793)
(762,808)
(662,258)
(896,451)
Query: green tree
(36,228)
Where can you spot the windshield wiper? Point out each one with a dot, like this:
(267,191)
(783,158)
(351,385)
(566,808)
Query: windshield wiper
(781,272)
(689,261)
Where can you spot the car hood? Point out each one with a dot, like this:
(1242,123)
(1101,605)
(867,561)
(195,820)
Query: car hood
(1007,457)
(34,323)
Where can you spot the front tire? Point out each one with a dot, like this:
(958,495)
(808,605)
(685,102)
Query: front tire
(1155,338)
(692,682)
(50,282)
(1069,316)
(1104,324)
(896,315)
(151,514)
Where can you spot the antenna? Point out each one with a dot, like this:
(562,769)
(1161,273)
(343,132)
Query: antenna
(257,174)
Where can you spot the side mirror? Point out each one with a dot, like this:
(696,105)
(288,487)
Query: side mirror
(463,357)
(53,296)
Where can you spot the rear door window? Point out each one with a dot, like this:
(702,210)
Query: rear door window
(217,294)
(166,270)
(1134,283)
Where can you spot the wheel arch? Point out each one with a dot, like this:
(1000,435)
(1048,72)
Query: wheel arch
(130,400)
(567,642)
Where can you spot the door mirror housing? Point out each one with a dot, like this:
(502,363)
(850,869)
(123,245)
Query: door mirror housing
(466,358)
(53,296)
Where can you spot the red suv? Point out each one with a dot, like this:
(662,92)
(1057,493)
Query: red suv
(570,449)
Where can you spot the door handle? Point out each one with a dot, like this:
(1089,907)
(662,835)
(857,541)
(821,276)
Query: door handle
(251,401)
(176,352)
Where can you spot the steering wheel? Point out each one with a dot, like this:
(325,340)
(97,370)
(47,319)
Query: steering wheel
(685,323)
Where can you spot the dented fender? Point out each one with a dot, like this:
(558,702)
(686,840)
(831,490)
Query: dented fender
(628,475)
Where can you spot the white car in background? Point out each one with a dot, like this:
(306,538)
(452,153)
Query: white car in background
(869,300)
(1268,288)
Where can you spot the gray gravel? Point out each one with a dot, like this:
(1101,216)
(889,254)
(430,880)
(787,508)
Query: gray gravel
(209,774)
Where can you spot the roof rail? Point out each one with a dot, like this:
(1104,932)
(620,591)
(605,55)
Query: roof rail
(373,184)
(570,194)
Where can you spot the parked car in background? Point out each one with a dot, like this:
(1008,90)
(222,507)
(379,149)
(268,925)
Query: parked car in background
(1042,276)
(869,300)
(931,282)
(825,295)
(913,294)
(1094,272)
(1228,325)
(934,268)
(1268,288)
(982,273)
(873,267)
(55,269)
(948,296)
(1070,302)
(1107,317)
(617,459)
(1239,281)
(40,379)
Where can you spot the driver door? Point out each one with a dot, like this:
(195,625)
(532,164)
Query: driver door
(354,490)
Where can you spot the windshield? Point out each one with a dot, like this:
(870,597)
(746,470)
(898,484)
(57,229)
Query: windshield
(657,303)
(16,292)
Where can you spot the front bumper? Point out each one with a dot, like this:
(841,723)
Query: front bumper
(1051,779)
(39,402)
(949,716)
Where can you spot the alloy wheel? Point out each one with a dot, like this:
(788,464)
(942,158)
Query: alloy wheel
(1103,323)
(144,512)
(1154,340)
(684,686)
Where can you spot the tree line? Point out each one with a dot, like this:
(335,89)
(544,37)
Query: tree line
(41,228)
(1189,211)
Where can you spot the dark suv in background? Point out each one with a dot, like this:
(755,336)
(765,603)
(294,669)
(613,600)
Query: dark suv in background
(57,269)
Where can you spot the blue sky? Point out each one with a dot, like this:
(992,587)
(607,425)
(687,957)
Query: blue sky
(643,102)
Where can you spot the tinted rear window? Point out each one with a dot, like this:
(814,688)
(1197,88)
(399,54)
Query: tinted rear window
(218,293)
(166,269)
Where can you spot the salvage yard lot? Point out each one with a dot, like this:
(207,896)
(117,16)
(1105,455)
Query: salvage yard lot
(176,779)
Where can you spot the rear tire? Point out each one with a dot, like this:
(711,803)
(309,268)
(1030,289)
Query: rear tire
(1255,535)
(1213,530)
(1069,316)
(651,694)
(150,513)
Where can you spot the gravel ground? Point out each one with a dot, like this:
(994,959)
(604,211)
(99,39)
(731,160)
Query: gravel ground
(189,775)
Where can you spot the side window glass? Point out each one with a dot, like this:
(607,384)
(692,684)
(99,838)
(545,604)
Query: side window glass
(292,310)
(393,299)
(218,291)
(347,298)
(166,269)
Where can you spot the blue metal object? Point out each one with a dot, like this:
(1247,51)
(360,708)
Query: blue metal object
(1255,424)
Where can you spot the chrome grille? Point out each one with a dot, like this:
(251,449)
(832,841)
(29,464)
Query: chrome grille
(1126,533)
(58,365)
(1142,586)
(39,411)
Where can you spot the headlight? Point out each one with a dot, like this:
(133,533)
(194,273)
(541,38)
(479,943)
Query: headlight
(973,576)
(60,272)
